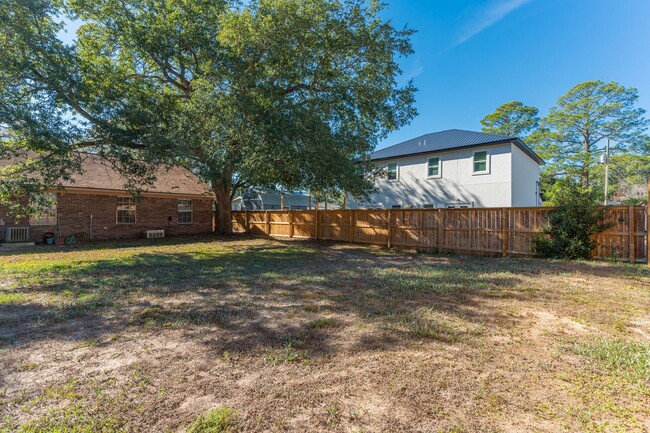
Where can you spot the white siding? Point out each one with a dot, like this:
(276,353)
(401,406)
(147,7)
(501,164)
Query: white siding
(457,181)
(525,175)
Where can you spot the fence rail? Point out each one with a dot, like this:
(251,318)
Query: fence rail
(485,231)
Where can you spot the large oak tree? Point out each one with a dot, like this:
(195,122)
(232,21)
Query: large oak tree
(293,93)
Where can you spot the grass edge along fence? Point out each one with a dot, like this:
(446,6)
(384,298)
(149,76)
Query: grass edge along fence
(478,231)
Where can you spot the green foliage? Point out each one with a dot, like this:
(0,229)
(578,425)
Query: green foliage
(572,134)
(512,118)
(571,227)
(292,93)
(629,175)
(571,138)
(219,420)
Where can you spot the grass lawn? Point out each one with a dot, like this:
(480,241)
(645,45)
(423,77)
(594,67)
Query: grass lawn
(249,334)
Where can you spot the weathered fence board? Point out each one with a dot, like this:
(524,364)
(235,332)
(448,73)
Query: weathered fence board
(486,231)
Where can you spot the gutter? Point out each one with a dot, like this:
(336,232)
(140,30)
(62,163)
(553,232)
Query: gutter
(518,142)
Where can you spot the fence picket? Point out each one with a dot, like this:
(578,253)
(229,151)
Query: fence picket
(493,231)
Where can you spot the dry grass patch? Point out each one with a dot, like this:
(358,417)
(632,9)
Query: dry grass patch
(250,335)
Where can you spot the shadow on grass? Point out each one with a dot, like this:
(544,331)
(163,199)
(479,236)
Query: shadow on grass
(257,295)
(118,244)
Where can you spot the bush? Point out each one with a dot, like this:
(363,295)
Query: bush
(571,228)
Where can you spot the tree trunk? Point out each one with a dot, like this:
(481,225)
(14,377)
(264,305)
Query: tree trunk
(586,164)
(583,172)
(221,193)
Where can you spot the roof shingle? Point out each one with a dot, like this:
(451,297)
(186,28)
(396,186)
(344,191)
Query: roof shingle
(99,174)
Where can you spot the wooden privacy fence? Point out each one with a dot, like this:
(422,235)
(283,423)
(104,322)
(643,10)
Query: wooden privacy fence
(485,231)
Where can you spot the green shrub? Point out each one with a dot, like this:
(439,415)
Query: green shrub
(219,420)
(571,228)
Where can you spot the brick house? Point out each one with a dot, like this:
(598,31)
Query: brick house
(94,205)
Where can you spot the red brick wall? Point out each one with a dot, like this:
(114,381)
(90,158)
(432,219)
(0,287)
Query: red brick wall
(152,213)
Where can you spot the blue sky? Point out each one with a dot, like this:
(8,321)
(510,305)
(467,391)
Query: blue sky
(472,56)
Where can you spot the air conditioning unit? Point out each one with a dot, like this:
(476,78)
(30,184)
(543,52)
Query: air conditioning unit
(17,234)
(155,234)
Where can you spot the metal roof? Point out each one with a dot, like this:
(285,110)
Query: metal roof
(449,140)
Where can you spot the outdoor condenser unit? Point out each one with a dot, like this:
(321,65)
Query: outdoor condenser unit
(17,234)
(155,234)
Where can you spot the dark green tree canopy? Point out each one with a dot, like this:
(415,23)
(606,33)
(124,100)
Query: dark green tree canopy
(512,118)
(275,92)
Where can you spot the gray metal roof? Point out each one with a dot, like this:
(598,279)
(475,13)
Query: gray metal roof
(449,140)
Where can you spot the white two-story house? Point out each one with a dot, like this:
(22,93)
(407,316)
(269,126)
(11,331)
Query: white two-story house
(456,168)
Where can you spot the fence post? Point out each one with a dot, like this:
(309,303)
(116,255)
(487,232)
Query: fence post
(441,214)
(351,225)
(268,224)
(631,228)
(390,228)
(316,223)
(246,222)
(504,233)
(290,224)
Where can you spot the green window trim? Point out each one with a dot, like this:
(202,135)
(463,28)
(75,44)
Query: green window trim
(480,162)
(433,167)
(392,171)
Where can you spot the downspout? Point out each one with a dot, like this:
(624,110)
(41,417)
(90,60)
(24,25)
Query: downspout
(90,231)
(457,176)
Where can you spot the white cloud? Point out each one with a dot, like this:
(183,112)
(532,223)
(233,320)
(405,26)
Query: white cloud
(487,17)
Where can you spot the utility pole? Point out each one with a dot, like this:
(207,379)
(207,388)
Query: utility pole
(607,172)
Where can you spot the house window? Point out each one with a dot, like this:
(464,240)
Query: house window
(460,205)
(428,206)
(397,206)
(126,210)
(434,167)
(47,215)
(392,171)
(480,162)
(184,211)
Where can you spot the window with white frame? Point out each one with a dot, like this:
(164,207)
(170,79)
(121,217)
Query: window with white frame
(481,164)
(433,168)
(184,211)
(392,171)
(126,210)
(47,204)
